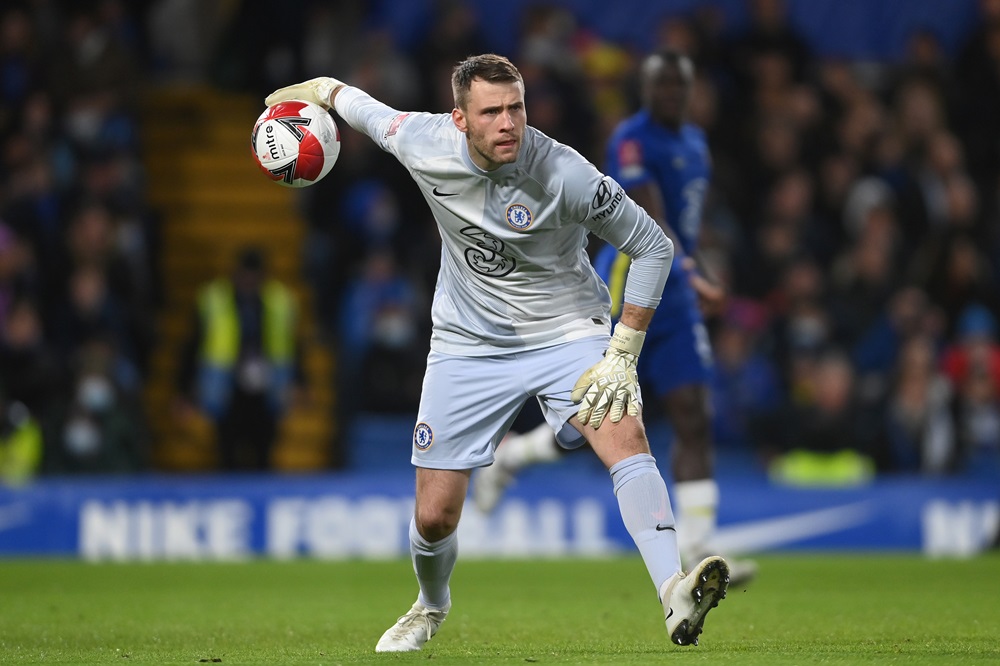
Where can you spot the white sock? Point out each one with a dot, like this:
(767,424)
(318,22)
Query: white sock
(433,564)
(529,448)
(697,511)
(645,507)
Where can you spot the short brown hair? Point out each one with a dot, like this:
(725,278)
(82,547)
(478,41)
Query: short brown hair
(488,67)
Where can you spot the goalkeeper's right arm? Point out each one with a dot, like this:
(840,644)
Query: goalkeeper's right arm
(321,90)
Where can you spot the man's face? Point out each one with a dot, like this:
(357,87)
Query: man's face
(666,90)
(247,281)
(493,122)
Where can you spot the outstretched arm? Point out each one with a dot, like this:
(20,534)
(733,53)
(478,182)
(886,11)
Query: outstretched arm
(321,90)
(360,110)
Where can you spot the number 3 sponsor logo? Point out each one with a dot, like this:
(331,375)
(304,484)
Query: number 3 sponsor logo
(487,257)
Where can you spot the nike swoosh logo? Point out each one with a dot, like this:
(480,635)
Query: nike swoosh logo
(670,614)
(760,535)
(661,528)
(443,194)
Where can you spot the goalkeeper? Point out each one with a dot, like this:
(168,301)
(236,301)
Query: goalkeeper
(519,312)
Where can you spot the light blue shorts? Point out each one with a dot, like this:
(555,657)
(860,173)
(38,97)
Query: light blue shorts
(468,403)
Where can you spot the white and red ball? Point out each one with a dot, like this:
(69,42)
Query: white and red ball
(295,143)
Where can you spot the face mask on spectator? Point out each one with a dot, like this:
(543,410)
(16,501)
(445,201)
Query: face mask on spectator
(81,436)
(95,393)
(807,332)
(394,329)
(84,124)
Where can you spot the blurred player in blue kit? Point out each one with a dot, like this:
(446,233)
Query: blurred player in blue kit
(664,164)
(520,312)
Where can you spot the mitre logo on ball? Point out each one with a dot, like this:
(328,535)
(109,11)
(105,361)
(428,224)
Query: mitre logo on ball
(295,143)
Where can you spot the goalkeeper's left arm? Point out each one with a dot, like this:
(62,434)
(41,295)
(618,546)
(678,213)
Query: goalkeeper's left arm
(611,387)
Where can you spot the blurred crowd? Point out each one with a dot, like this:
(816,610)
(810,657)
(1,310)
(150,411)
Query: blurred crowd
(78,284)
(853,214)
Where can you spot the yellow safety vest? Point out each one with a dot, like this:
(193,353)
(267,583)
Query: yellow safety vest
(221,343)
(21,454)
(804,468)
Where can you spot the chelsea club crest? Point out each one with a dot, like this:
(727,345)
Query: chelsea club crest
(423,436)
(518,216)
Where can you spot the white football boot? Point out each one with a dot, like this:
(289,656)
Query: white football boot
(412,630)
(687,598)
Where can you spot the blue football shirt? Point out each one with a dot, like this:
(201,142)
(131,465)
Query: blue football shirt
(679,164)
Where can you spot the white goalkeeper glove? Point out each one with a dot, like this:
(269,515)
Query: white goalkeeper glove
(315,90)
(611,385)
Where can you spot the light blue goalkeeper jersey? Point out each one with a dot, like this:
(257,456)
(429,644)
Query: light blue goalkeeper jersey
(514,271)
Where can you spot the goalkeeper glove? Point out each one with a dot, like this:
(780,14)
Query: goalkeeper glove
(612,384)
(315,90)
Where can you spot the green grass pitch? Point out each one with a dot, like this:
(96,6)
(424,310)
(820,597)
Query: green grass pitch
(802,609)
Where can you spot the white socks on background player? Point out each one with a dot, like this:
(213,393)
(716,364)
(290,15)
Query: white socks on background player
(433,564)
(529,448)
(645,507)
(697,511)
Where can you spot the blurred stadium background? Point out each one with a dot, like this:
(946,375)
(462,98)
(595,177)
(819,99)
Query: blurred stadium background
(853,213)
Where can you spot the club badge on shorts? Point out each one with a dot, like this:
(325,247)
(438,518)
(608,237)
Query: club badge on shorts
(423,436)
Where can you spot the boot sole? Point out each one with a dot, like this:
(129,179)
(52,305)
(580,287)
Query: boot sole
(713,581)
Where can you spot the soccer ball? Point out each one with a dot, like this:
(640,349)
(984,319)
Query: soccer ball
(295,143)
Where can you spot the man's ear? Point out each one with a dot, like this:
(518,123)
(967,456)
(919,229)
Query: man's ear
(458,117)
